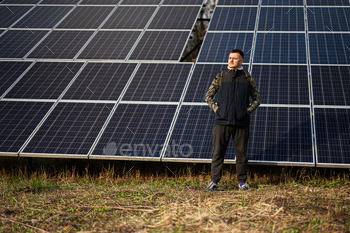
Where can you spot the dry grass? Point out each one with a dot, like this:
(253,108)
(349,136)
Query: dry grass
(173,201)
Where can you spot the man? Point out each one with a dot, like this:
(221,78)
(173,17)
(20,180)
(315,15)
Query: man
(232,117)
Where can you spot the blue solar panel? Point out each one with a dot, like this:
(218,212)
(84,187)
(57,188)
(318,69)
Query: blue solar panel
(282,2)
(191,137)
(280,134)
(282,84)
(17,121)
(43,17)
(160,45)
(9,72)
(233,19)
(182,2)
(333,19)
(129,17)
(71,128)
(328,2)
(17,43)
(19,2)
(329,48)
(174,17)
(217,46)
(281,19)
(72,2)
(100,81)
(77,18)
(61,44)
(45,80)
(9,14)
(99,2)
(110,45)
(137,130)
(331,85)
(280,48)
(202,77)
(238,2)
(333,135)
(158,82)
(140,2)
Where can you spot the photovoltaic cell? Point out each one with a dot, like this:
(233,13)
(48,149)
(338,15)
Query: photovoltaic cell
(333,19)
(233,19)
(9,14)
(202,77)
(191,137)
(282,84)
(182,2)
(45,80)
(280,48)
(77,18)
(99,2)
(280,134)
(71,128)
(160,45)
(61,44)
(330,85)
(17,43)
(110,45)
(281,19)
(19,1)
(238,2)
(324,44)
(129,17)
(43,17)
(100,81)
(332,135)
(282,2)
(137,130)
(140,2)
(17,122)
(158,82)
(174,18)
(327,2)
(60,2)
(217,46)
(9,72)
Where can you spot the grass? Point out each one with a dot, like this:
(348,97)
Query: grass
(132,198)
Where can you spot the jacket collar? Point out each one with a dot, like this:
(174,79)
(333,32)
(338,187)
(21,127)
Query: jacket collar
(240,68)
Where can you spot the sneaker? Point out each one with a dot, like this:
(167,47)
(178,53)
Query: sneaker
(245,186)
(212,186)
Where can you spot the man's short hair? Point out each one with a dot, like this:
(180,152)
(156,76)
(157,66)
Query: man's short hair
(238,51)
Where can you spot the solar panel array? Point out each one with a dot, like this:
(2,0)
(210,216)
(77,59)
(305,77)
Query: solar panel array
(102,79)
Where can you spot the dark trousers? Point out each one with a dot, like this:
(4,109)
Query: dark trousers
(221,138)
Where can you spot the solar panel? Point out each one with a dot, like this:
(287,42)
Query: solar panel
(43,17)
(17,43)
(77,18)
(17,121)
(217,46)
(19,1)
(160,45)
(280,134)
(191,137)
(9,72)
(158,82)
(10,14)
(280,48)
(110,45)
(182,2)
(330,85)
(140,2)
(281,19)
(332,136)
(333,19)
(285,84)
(129,17)
(61,44)
(282,2)
(174,17)
(59,2)
(328,2)
(336,44)
(45,80)
(238,2)
(136,130)
(100,81)
(233,19)
(99,2)
(70,129)
(201,79)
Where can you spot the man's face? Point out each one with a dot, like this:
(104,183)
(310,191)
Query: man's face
(235,60)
